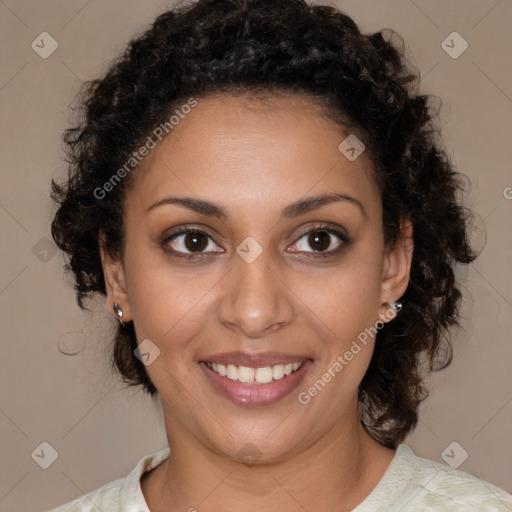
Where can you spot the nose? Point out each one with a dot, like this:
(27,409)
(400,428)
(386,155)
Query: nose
(255,300)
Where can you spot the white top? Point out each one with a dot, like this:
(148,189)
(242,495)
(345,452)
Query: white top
(410,484)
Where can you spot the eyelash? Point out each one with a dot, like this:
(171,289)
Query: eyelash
(345,241)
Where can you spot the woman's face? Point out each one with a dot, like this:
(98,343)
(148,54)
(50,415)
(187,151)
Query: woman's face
(268,277)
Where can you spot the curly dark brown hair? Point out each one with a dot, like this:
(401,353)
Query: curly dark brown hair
(361,81)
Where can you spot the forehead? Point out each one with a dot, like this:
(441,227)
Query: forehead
(247,152)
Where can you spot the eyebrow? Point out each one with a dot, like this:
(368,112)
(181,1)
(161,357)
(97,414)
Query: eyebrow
(300,207)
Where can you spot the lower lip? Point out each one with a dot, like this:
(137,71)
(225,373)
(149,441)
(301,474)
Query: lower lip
(256,394)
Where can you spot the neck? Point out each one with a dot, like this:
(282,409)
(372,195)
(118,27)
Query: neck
(336,472)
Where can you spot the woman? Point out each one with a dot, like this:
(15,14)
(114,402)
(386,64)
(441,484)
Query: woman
(260,196)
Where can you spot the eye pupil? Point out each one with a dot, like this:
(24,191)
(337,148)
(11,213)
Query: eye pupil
(319,238)
(193,241)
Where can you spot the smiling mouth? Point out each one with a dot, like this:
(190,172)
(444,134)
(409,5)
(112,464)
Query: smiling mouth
(248,375)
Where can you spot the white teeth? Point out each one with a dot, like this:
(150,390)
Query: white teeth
(232,372)
(249,375)
(245,374)
(278,371)
(263,375)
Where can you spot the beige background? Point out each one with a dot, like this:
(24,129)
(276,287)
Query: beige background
(99,429)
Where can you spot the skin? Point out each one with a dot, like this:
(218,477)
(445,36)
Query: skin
(254,158)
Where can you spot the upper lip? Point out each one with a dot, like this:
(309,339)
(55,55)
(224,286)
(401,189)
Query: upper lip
(254,360)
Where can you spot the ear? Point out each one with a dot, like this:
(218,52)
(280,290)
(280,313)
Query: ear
(396,268)
(115,282)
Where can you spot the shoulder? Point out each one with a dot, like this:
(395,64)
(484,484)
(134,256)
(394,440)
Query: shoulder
(116,495)
(436,486)
(106,498)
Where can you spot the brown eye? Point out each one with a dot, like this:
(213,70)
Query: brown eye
(195,241)
(188,242)
(324,241)
(319,240)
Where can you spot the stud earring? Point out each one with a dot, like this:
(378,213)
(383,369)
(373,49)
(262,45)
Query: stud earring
(397,305)
(119,312)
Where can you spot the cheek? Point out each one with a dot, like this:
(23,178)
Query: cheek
(170,304)
(345,307)
(158,297)
(346,299)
